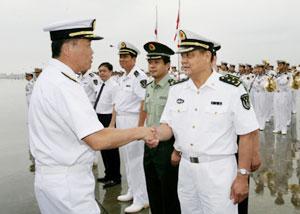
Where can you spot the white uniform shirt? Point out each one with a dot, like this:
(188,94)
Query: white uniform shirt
(131,92)
(208,120)
(108,96)
(28,90)
(260,83)
(283,81)
(60,115)
(90,83)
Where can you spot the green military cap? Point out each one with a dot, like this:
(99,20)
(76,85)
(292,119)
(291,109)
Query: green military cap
(156,50)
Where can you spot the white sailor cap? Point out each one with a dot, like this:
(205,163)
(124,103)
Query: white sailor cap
(190,41)
(29,73)
(281,62)
(127,48)
(73,29)
(37,70)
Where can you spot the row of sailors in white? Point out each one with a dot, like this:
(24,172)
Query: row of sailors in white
(281,103)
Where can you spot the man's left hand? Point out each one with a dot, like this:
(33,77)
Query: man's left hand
(239,189)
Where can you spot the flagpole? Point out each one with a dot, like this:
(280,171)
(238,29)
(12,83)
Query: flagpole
(178,39)
(156,24)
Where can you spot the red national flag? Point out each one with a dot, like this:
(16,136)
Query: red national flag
(177,21)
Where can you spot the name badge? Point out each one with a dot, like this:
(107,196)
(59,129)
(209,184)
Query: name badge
(216,103)
(180,101)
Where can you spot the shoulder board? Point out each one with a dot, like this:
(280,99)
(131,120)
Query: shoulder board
(179,81)
(171,81)
(95,81)
(143,83)
(91,74)
(149,83)
(136,73)
(69,77)
(230,79)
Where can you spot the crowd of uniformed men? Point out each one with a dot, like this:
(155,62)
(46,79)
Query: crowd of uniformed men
(197,119)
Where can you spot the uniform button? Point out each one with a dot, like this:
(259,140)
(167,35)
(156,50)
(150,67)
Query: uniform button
(198,92)
(193,126)
(216,112)
(178,110)
(196,109)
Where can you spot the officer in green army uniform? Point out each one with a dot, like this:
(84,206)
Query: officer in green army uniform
(161,175)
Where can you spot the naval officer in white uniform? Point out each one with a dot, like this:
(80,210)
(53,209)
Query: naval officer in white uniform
(206,113)
(64,129)
(128,104)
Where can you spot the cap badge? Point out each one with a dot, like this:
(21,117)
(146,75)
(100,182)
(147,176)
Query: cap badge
(151,47)
(123,45)
(182,35)
(94,24)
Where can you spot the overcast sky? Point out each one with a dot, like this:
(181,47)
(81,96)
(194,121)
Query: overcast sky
(248,30)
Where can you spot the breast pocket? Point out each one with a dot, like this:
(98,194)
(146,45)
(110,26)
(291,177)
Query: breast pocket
(128,89)
(179,114)
(216,117)
(160,106)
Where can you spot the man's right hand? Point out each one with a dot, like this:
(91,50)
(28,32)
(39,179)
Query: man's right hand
(150,137)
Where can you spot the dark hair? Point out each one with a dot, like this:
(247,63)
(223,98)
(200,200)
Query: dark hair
(107,65)
(56,47)
(166,59)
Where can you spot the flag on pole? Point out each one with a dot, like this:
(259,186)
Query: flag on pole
(177,21)
(156,25)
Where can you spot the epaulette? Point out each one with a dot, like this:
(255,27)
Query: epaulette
(91,74)
(95,81)
(171,81)
(136,73)
(143,83)
(231,79)
(179,81)
(69,77)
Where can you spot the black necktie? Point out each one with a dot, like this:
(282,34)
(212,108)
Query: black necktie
(98,97)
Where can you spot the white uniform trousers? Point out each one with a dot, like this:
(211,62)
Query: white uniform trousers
(269,105)
(260,108)
(132,155)
(281,110)
(294,99)
(204,188)
(63,191)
